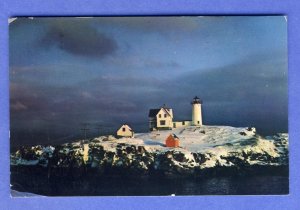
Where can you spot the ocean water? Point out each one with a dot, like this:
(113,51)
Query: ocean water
(116,186)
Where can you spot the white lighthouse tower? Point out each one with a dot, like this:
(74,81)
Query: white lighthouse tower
(196,111)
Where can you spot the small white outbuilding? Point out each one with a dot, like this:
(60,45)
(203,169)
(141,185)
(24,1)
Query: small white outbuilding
(125,131)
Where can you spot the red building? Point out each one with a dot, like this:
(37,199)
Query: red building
(172,141)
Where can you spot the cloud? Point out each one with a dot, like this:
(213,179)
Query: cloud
(138,62)
(233,95)
(253,91)
(152,23)
(260,74)
(27,99)
(79,38)
(18,106)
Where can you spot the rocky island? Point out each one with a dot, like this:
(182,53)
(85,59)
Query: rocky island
(204,151)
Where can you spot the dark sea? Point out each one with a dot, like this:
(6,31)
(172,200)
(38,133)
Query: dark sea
(113,186)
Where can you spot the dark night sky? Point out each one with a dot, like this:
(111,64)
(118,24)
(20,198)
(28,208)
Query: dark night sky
(110,70)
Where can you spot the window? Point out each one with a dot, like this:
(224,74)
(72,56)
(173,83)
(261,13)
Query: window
(123,129)
(159,116)
(198,122)
(165,115)
(162,122)
(183,123)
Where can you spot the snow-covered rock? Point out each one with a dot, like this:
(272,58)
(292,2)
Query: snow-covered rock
(201,148)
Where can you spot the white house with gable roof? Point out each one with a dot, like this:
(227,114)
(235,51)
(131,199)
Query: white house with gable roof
(161,119)
(125,131)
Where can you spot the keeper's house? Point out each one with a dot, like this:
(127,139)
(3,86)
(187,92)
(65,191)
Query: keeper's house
(161,119)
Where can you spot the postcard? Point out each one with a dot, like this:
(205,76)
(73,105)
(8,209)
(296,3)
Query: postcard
(148,106)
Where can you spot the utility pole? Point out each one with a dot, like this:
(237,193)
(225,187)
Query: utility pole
(85,129)
(48,136)
(99,127)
